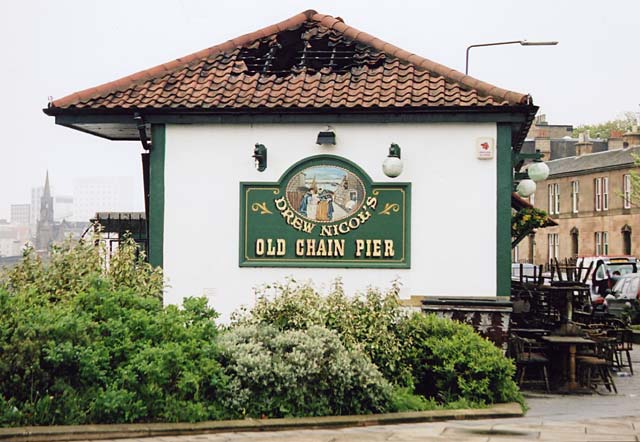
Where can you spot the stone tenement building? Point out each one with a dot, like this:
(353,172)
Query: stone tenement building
(589,195)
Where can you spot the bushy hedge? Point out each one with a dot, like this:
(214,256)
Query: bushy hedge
(444,361)
(81,346)
(369,322)
(276,373)
(451,362)
(86,341)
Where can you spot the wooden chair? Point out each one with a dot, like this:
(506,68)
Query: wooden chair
(594,368)
(622,345)
(529,353)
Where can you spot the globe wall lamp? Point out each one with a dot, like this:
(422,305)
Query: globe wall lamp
(260,157)
(499,43)
(537,171)
(392,165)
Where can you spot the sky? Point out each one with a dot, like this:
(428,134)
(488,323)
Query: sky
(54,48)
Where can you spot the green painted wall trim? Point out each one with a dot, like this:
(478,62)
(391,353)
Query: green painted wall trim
(156,195)
(503,214)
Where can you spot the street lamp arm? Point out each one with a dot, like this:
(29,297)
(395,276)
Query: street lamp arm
(499,43)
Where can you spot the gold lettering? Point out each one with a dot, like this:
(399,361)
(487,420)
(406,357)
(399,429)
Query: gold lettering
(364,216)
(354,223)
(281,247)
(300,247)
(343,227)
(281,203)
(359,247)
(259,247)
(376,248)
(297,223)
(307,227)
(339,247)
(311,247)
(326,231)
(271,251)
(388,248)
(288,215)
(372,202)
(368,254)
(322,248)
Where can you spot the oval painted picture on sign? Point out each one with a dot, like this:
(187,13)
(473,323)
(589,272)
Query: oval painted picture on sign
(325,193)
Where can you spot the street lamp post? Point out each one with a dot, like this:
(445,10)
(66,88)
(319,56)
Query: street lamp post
(499,43)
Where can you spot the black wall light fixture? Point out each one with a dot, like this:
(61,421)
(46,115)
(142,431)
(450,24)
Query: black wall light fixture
(260,156)
(327,137)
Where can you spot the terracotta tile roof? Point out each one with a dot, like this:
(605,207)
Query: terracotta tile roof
(310,61)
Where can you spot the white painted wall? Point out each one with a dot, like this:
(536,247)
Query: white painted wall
(453,228)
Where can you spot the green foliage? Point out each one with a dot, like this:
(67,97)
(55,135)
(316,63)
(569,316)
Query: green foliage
(275,373)
(623,123)
(526,220)
(74,267)
(83,345)
(451,362)
(368,322)
(447,362)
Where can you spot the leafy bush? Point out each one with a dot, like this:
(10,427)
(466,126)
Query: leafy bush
(450,362)
(447,362)
(368,322)
(298,373)
(91,346)
(75,267)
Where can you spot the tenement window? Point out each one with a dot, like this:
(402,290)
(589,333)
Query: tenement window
(554,198)
(597,188)
(554,245)
(626,191)
(602,243)
(575,196)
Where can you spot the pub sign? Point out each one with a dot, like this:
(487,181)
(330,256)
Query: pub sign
(325,212)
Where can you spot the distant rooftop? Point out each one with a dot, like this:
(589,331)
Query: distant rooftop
(585,164)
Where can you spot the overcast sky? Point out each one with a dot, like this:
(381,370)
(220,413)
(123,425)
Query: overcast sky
(54,48)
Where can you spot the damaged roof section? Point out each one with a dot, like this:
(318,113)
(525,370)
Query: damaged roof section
(307,48)
(310,61)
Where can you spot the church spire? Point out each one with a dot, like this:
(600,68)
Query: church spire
(47,189)
(46,203)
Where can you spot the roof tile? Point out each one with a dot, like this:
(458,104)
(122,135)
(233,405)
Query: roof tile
(310,60)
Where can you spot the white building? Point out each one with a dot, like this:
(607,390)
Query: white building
(103,194)
(217,230)
(21,214)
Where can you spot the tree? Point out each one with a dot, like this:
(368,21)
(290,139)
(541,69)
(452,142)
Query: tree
(623,123)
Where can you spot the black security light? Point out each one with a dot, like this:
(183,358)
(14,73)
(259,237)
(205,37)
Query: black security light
(260,156)
(326,137)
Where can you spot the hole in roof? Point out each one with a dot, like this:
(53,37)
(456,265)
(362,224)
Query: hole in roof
(307,47)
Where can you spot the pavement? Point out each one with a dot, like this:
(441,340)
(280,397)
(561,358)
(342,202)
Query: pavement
(596,417)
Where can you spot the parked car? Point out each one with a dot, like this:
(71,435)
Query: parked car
(605,272)
(624,299)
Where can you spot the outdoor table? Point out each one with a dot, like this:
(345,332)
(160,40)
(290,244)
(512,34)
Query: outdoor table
(569,342)
(567,290)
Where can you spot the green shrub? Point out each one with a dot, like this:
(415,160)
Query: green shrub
(298,373)
(450,362)
(447,362)
(367,322)
(92,346)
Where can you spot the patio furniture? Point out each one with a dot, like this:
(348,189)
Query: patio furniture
(622,345)
(568,344)
(529,353)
